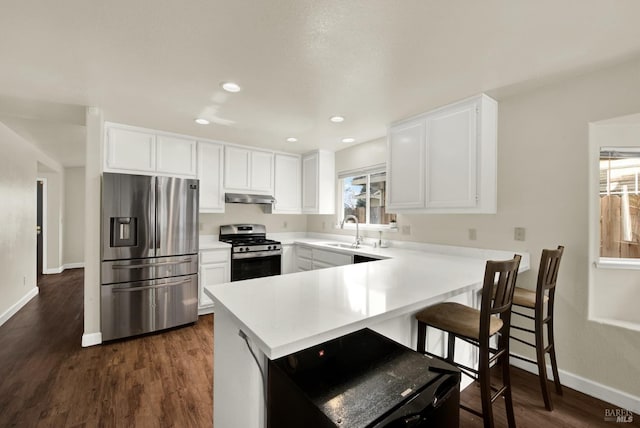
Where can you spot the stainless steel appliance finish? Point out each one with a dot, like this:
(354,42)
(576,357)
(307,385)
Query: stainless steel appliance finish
(149,253)
(252,254)
(245,198)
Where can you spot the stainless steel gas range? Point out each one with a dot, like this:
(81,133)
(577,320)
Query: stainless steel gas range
(252,254)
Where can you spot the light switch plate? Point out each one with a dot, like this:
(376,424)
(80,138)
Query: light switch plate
(406,230)
(519,233)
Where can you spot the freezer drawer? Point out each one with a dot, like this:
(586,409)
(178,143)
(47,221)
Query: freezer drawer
(141,307)
(146,269)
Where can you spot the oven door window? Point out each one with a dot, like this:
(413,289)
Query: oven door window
(255,267)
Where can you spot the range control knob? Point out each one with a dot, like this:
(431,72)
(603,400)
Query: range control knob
(240,249)
(246,248)
(269,247)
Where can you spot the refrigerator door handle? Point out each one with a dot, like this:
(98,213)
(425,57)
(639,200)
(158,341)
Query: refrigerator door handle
(146,265)
(149,287)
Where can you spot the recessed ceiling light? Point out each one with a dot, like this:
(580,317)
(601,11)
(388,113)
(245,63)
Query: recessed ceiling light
(348,140)
(336,119)
(231,87)
(202,121)
(292,139)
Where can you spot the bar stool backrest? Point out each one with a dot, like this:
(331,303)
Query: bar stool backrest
(501,276)
(548,273)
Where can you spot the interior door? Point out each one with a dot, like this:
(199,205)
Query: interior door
(176,216)
(39,249)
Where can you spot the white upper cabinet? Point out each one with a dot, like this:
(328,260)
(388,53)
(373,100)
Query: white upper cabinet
(405,163)
(262,172)
(248,170)
(444,161)
(130,150)
(287,184)
(144,151)
(210,164)
(318,182)
(175,155)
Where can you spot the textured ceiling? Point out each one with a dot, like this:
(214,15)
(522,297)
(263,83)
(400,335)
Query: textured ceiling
(159,64)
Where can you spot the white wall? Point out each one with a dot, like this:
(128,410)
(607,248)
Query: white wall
(73,225)
(18,173)
(251,213)
(543,186)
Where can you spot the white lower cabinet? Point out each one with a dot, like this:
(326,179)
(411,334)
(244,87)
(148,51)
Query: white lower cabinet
(288,259)
(215,267)
(308,258)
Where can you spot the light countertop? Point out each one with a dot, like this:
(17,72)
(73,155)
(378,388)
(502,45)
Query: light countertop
(287,313)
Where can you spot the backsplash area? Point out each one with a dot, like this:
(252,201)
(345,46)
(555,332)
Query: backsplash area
(251,213)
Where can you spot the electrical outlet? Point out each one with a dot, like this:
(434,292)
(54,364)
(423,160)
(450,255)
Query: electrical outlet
(284,224)
(519,233)
(324,225)
(473,235)
(406,230)
(24,280)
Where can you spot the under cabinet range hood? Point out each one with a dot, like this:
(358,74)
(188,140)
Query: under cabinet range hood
(245,198)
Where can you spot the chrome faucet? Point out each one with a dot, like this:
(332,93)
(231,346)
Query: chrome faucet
(355,219)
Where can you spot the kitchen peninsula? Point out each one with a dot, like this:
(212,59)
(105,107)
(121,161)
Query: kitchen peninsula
(284,314)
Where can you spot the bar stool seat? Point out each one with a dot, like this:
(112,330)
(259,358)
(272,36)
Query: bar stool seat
(460,320)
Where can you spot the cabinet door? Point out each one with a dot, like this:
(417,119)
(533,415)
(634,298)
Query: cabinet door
(261,176)
(130,150)
(405,168)
(210,160)
(451,146)
(288,259)
(236,168)
(287,184)
(310,183)
(212,274)
(175,155)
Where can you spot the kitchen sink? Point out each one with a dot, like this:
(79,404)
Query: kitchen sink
(341,245)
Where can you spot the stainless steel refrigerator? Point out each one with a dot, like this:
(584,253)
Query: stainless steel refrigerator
(149,253)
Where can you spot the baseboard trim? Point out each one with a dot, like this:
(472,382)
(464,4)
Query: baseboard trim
(73,265)
(18,305)
(586,386)
(91,339)
(60,269)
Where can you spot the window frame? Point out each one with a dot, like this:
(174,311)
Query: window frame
(594,208)
(368,171)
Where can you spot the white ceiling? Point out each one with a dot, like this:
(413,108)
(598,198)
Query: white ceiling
(159,64)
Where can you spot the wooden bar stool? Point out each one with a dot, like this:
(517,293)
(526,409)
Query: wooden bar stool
(535,300)
(477,327)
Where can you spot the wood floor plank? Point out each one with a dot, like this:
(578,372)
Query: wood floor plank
(166,380)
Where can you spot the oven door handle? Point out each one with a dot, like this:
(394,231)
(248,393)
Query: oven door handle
(256,254)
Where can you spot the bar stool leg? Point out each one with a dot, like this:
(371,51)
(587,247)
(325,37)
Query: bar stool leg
(485,385)
(451,347)
(542,366)
(422,333)
(552,354)
(506,380)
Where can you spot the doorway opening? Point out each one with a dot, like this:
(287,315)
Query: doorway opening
(41,237)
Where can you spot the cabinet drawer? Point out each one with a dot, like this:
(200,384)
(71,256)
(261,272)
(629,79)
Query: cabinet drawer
(214,256)
(304,252)
(331,258)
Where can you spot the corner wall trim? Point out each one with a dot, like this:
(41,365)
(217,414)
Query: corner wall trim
(91,339)
(586,386)
(18,305)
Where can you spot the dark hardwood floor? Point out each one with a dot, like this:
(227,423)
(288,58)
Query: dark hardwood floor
(165,380)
